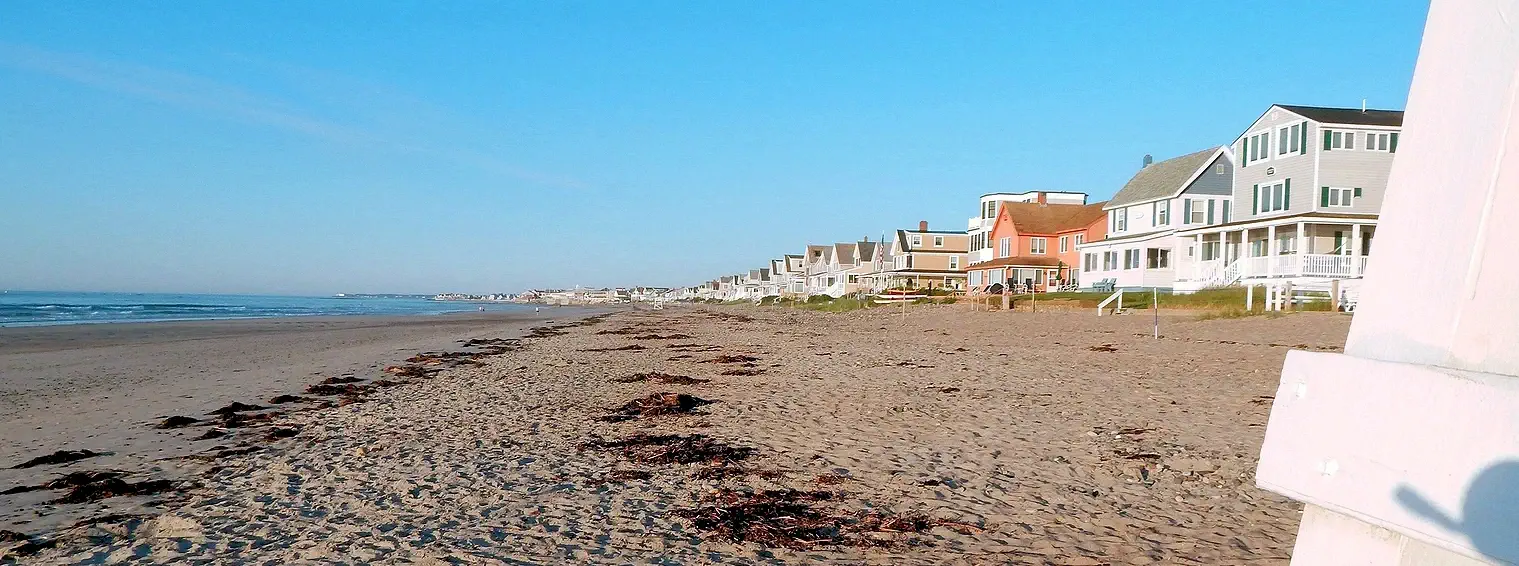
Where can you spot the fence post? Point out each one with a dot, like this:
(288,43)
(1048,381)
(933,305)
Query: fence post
(1250,298)
(1334,295)
(1288,301)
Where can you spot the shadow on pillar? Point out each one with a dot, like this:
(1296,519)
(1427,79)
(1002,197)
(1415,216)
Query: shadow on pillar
(1489,511)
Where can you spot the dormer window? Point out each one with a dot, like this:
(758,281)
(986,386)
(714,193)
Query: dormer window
(917,240)
(938,241)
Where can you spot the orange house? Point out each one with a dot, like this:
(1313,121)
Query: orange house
(1034,246)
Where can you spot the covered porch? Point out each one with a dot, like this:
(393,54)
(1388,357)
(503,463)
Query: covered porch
(1021,275)
(1329,248)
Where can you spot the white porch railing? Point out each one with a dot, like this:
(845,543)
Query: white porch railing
(1293,265)
(1255,266)
(1209,269)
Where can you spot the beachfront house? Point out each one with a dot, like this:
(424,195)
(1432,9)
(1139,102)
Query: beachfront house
(980,226)
(1141,249)
(875,265)
(780,279)
(796,275)
(819,260)
(1308,186)
(926,259)
(1035,247)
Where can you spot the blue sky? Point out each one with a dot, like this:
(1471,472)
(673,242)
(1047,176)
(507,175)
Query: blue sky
(322,147)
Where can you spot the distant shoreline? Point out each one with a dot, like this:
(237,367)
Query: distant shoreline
(34,309)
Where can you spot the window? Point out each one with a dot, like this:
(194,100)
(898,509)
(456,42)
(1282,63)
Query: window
(1163,213)
(974,278)
(1272,197)
(1036,246)
(917,240)
(1257,147)
(989,209)
(1211,250)
(1088,261)
(1109,261)
(830,281)
(1157,258)
(954,262)
(1121,220)
(854,278)
(1286,244)
(1288,140)
(1081,239)
(1220,169)
(1131,259)
(1333,196)
(938,241)
(1065,244)
(1199,212)
(1378,141)
(1004,247)
(1258,248)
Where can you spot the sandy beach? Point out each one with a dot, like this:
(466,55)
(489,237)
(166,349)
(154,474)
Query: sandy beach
(103,387)
(763,436)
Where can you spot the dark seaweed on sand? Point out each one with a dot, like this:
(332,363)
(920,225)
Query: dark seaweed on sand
(672,449)
(656,405)
(59,457)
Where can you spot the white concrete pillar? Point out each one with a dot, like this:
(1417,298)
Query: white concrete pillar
(1405,448)
(1355,240)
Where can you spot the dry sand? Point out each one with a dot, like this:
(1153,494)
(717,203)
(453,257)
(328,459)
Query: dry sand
(102,387)
(999,438)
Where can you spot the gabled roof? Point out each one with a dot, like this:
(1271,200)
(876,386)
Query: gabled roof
(1034,218)
(844,252)
(867,250)
(1164,179)
(1347,115)
(824,249)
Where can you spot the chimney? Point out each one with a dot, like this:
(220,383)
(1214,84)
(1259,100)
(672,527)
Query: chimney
(1148,161)
(922,225)
(1042,199)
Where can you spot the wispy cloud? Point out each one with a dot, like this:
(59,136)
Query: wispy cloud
(231,101)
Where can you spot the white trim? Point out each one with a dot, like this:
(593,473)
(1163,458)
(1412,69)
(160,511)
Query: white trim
(1277,221)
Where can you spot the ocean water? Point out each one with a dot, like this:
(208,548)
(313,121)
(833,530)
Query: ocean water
(31,308)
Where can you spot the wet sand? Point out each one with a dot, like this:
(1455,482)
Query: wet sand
(951,437)
(101,387)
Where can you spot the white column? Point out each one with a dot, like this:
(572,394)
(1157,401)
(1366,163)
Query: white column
(1355,240)
(1197,258)
(1270,250)
(1302,250)
(1244,246)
